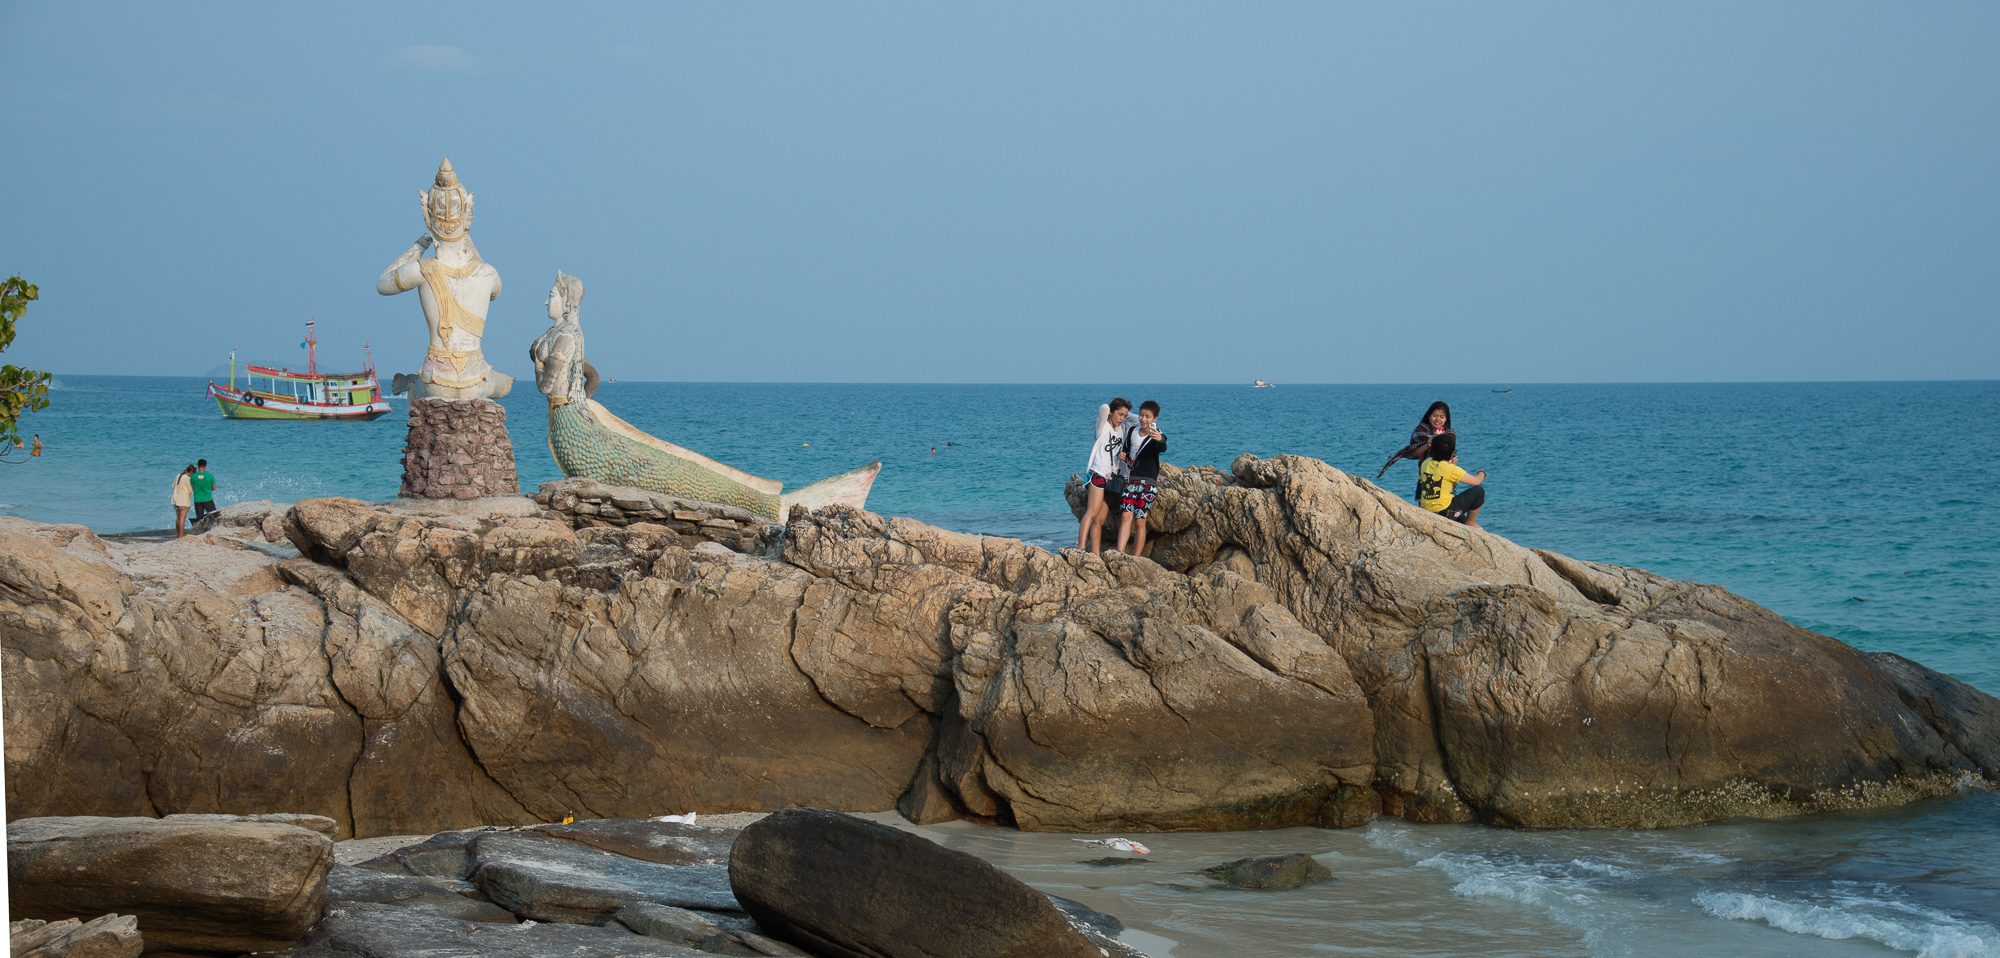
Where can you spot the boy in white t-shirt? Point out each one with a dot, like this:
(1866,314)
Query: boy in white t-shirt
(1103,465)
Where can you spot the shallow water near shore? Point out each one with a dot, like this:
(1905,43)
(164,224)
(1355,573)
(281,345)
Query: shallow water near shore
(1851,884)
(1842,506)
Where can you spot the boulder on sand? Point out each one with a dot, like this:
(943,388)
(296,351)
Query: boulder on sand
(203,886)
(844,887)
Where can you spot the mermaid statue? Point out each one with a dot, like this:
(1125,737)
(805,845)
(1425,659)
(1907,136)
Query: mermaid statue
(455,287)
(587,440)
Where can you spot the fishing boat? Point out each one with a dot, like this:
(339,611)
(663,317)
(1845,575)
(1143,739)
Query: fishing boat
(1507,390)
(1262,384)
(280,393)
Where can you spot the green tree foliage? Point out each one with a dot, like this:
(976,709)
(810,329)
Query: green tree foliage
(22,391)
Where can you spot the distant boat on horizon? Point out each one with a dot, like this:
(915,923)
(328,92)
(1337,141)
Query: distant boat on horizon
(307,395)
(1262,384)
(1507,390)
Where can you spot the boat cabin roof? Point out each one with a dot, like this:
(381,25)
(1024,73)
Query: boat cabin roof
(303,377)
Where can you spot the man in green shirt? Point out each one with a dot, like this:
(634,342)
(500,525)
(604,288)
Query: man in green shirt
(204,490)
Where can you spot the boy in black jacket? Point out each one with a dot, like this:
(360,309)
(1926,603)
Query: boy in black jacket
(1143,482)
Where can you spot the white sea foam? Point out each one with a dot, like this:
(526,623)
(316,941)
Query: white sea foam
(1697,856)
(1928,933)
(1514,881)
(1596,867)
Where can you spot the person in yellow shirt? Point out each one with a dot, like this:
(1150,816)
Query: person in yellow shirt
(1440,475)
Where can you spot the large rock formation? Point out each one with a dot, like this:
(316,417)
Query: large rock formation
(1301,647)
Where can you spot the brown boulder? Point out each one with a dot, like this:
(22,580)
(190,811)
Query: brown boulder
(209,886)
(848,888)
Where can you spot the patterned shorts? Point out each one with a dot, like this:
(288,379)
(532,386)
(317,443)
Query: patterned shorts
(1139,494)
(1097,481)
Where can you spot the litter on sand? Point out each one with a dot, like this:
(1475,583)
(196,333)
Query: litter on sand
(1122,844)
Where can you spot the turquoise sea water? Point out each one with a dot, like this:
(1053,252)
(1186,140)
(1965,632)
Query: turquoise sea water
(1860,510)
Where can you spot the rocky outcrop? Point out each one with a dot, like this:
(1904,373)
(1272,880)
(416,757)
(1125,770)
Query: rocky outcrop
(1300,647)
(193,676)
(586,503)
(1521,687)
(258,519)
(848,888)
(200,884)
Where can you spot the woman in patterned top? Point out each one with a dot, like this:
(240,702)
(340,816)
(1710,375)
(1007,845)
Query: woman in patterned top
(1436,422)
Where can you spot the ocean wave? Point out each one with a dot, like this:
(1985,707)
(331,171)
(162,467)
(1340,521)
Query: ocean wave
(1928,933)
(1517,881)
(1589,896)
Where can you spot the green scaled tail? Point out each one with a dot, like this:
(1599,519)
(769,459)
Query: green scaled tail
(584,446)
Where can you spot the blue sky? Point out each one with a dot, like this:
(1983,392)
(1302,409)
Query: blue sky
(1027,192)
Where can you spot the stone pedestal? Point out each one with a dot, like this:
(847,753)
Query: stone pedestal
(458,449)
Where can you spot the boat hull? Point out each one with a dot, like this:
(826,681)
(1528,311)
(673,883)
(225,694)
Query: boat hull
(235,406)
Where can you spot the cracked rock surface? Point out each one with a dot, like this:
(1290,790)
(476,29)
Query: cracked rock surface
(1300,647)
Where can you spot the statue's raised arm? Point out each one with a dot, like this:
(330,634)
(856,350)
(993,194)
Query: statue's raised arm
(454,286)
(403,274)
